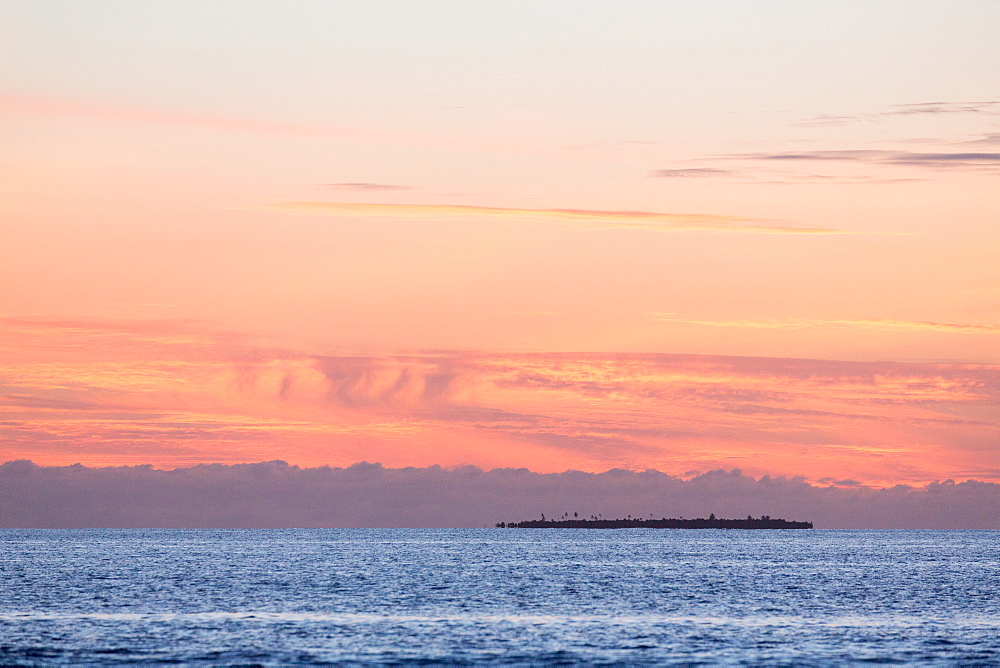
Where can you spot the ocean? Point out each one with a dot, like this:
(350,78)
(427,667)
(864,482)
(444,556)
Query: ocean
(498,596)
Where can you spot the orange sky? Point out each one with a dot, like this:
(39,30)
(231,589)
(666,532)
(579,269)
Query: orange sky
(124,393)
(664,236)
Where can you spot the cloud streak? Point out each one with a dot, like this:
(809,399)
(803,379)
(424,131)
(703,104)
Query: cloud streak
(363,186)
(982,108)
(899,158)
(51,106)
(690,172)
(46,106)
(808,323)
(588,218)
(934,108)
(783,167)
(991,139)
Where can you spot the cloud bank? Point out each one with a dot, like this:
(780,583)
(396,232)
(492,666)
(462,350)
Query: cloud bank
(274,494)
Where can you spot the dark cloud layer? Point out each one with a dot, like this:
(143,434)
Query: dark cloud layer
(274,494)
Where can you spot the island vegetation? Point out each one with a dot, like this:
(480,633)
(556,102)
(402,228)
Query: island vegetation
(711,522)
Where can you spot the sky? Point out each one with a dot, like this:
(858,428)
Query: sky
(556,236)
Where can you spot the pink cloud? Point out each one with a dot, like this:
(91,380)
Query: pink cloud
(184,396)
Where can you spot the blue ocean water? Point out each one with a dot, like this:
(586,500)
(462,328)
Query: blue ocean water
(481,596)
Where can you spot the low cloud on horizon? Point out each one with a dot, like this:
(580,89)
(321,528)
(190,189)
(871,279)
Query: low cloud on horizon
(275,494)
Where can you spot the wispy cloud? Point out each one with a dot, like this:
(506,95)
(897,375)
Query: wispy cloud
(918,108)
(758,176)
(589,218)
(991,139)
(52,106)
(761,166)
(808,323)
(910,158)
(46,106)
(691,172)
(363,186)
(531,313)
(38,106)
(987,108)
(847,166)
(603,144)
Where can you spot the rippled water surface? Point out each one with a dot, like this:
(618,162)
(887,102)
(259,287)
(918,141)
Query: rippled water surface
(479,596)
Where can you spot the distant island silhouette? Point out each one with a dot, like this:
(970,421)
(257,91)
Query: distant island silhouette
(712,522)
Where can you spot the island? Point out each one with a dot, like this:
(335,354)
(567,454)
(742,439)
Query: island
(712,522)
